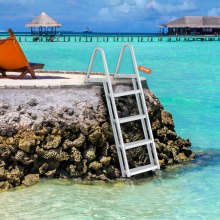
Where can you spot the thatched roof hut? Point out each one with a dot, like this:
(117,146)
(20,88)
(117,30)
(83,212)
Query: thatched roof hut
(200,24)
(44,22)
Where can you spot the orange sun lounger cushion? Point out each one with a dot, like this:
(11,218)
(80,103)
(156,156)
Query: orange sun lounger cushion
(12,58)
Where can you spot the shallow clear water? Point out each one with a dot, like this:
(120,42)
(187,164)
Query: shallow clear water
(186,78)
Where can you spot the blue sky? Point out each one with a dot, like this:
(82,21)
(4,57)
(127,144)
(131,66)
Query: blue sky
(104,15)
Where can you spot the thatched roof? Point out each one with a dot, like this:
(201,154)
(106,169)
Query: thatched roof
(195,22)
(43,20)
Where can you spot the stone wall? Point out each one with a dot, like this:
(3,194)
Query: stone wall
(66,133)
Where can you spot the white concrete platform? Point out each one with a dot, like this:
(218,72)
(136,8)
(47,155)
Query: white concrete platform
(53,79)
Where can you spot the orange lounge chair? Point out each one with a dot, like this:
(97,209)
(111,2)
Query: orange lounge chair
(13,59)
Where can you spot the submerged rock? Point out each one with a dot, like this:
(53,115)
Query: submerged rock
(4,185)
(31,179)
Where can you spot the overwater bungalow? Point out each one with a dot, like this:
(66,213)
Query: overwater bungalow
(43,25)
(194,25)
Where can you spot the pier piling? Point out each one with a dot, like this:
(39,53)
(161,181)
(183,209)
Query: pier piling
(125,38)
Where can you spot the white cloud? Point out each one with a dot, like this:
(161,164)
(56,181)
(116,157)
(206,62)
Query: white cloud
(124,8)
(214,12)
(20,2)
(134,6)
(152,4)
(140,3)
(104,14)
(114,2)
(115,10)
(23,2)
(184,5)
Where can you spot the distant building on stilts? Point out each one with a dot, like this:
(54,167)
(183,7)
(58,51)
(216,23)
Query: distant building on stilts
(194,25)
(43,25)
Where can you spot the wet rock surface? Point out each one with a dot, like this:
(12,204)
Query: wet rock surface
(70,137)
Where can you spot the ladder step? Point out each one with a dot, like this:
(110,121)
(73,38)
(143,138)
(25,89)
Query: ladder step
(131,118)
(98,80)
(131,92)
(137,144)
(132,76)
(143,169)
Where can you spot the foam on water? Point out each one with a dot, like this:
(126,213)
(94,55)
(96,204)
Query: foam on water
(186,78)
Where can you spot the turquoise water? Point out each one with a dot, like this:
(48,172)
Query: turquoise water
(186,78)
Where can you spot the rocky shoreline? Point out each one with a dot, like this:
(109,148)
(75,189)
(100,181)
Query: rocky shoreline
(66,133)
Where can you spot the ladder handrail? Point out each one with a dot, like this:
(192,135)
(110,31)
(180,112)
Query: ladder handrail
(114,109)
(145,111)
(131,49)
(115,128)
(106,71)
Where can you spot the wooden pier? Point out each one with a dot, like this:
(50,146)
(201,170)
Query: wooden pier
(113,38)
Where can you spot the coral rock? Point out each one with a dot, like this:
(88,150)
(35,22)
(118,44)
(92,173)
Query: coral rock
(53,141)
(31,179)
(3,174)
(96,137)
(167,120)
(113,172)
(105,160)
(5,185)
(67,144)
(102,177)
(43,168)
(71,169)
(56,154)
(156,125)
(4,151)
(50,173)
(14,175)
(107,131)
(105,149)
(180,158)
(2,163)
(95,165)
(162,163)
(84,128)
(22,157)
(75,155)
(25,145)
(90,154)
(79,141)
(82,167)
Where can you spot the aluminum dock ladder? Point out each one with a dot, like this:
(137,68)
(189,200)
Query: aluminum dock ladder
(116,122)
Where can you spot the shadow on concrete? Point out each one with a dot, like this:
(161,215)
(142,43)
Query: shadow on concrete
(14,77)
